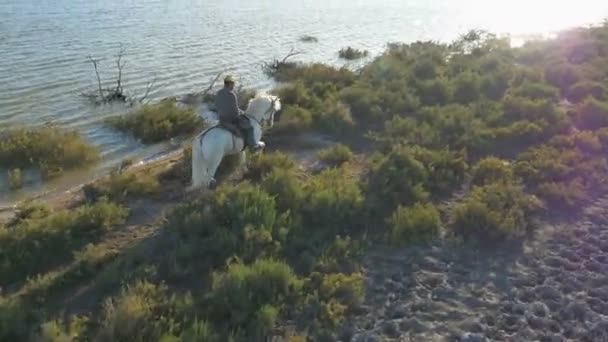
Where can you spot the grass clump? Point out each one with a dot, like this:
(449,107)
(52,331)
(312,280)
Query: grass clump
(350,53)
(336,155)
(308,39)
(495,212)
(418,223)
(491,170)
(154,123)
(120,186)
(27,244)
(262,164)
(50,149)
(249,298)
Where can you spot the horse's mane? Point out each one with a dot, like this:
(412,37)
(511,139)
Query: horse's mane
(260,104)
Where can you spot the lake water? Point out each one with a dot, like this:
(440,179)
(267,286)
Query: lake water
(184,43)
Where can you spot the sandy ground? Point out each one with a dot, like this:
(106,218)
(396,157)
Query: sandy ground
(553,289)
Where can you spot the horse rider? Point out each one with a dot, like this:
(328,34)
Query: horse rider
(231,117)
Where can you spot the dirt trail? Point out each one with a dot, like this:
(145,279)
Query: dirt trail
(555,289)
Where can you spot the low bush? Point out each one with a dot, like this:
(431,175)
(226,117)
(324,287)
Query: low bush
(158,122)
(25,247)
(579,92)
(491,170)
(287,186)
(395,179)
(336,155)
(332,205)
(251,298)
(593,114)
(262,164)
(418,223)
(536,91)
(118,187)
(495,212)
(30,211)
(134,315)
(293,119)
(466,87)
(350,53)
(51,149)
(335,118)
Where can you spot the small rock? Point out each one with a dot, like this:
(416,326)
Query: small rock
(469,337)
(599,332)
(539,309)
(390,329)
(548,292)
(413,325)
(396,312)
(347,332)
(471,326)
(575,311)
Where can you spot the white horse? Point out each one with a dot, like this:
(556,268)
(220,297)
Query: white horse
(213,144)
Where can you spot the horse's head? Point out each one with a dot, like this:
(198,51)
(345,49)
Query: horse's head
(263,107)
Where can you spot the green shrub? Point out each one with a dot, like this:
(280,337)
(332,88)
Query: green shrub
(578,92)
(135,314)
(417,223)
(336,119)
(15,179)
(30,211)
(394,179)
(49,148)
(466,88)
(332,204)
(536,91)
(434,92)
(120,186)
(250,297)
(571,195)
(495,212)
(293,119)
(364,102)
(239,221)
(316,73)
(287,186)
(336,155)
(338,296)
(158,122)
(350,53)
(347,289)
(26,246)
(491,170)
(562,75)
(520,108)
(425,69)
(446,169)
(495,85)
(262,164)
(593,114)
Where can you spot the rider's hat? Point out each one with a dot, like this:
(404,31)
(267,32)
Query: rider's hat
(229,79)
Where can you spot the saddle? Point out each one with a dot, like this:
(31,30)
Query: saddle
(232,127)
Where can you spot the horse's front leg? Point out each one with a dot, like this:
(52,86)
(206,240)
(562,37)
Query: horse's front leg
(243,160)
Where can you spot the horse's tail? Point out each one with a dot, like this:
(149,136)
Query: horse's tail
(198,170)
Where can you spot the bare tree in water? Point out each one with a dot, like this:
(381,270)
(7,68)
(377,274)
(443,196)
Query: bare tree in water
(115,93)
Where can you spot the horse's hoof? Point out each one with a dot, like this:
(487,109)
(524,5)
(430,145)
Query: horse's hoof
(212,185)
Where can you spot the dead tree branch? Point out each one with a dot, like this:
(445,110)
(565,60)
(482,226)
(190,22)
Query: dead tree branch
(273,68)
(94,62)
(116,93)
